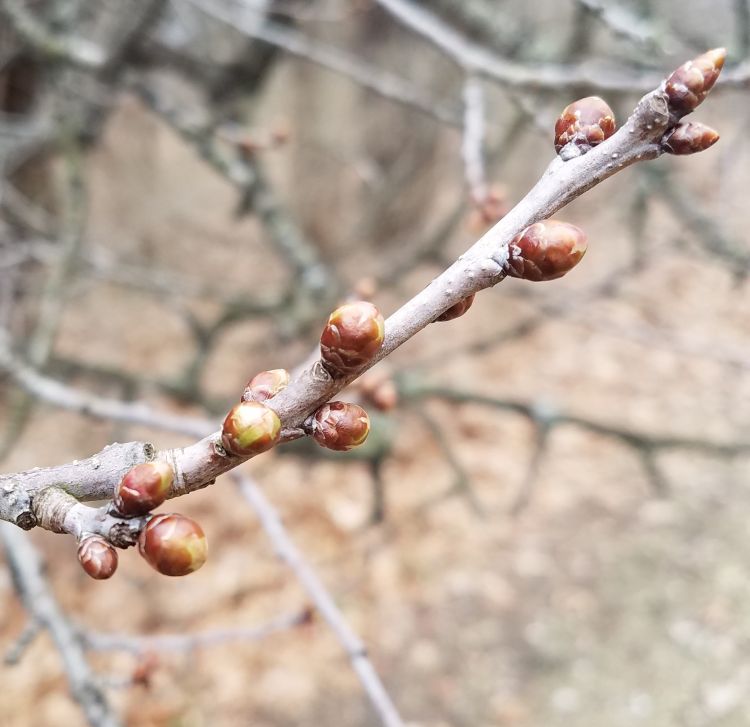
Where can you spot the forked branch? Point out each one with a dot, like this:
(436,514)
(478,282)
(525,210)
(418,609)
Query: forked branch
(515,246)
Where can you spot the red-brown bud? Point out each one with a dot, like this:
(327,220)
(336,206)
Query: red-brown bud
(143,488)
(173,544)
(97,557)
(586,122)
(546,250)
(689,137)
(340,426)
(250,428)
(379,389)
(266,385)
(691,82)
(353,335)
(457,310)
(489,210)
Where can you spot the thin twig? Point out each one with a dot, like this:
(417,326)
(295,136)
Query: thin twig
(100,641)
(477,59)
(308,578)
(32,588)
(370,77)
(472,148)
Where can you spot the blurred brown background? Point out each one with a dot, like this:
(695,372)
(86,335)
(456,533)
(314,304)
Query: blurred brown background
(550,527)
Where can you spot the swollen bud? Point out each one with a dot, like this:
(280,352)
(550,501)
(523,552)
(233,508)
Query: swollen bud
(546,250)
(250,428)
(690,83)
(143,488)
(457,310)
(173,544)
(353,335)
(379,389)
(97,557)
(266,385)
(689,137)
(340,426)
(586,122)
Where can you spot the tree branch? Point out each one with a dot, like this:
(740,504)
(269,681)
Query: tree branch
(39,601)
(292,556)
(482,266)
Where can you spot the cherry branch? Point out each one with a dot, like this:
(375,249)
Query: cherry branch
(653,129)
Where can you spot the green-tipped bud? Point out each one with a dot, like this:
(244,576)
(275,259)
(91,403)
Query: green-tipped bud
(250,428)
(546,250)
(173,544)
(265,385)
(457,310)
(690,83)
(143,488)
(586,122)
(689,137)
(97,557)
(353,335)
(340,426)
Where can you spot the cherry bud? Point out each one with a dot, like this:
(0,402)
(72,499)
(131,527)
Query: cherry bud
(250,428)
(173,544)
(689,137)
(143,488)
(265,385)
(353,335)
(690,83)
(97,557)
(586,122)
(457,310)
(340,426)
(546,250)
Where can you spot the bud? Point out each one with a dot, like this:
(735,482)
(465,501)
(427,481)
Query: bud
(250,428)
(586,122)
(385,396)
(173,544)
(266,385)
(340,426)
(546,250)
(457,310)
(143,488)
(97,557)
(353,335)
(689,137)
(379,389)
(489,210)
(691,82)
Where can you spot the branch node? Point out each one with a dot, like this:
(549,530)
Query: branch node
(320,373)
(50,508)
(219,449)
(15,506)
